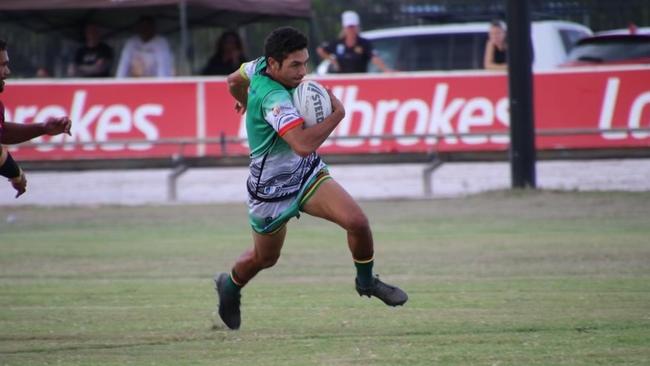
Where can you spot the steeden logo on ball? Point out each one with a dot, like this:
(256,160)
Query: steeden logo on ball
(312,102)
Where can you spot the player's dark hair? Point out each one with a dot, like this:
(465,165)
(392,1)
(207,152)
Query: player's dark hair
(3,45)
(283,41)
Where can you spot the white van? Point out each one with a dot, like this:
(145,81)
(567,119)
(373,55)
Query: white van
(461,46)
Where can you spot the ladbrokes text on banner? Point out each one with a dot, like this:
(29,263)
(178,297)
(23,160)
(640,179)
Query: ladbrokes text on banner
(103,113)
(444,112)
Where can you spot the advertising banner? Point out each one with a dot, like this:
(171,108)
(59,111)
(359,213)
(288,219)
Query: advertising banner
(102,113)
(445,112)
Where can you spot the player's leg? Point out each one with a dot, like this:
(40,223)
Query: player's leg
(331,202)
(264,254)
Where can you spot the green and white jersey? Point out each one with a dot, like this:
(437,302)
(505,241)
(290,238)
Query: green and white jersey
(276,171)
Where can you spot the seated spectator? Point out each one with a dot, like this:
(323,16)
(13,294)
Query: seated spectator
(495,56)
(93,59)
(228,55)
(146,54)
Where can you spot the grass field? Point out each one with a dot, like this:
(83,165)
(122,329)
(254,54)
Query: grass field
(525,278)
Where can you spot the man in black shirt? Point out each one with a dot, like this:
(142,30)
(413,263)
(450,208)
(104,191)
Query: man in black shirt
(350,53)
(94,58)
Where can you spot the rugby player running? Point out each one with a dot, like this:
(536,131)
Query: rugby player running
(286,174)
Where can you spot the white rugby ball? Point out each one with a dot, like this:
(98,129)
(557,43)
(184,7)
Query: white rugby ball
(312,102)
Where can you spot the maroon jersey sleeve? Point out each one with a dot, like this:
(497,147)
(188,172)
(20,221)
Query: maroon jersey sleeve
(2,117)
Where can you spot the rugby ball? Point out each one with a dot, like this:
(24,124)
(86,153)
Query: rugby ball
(312,102)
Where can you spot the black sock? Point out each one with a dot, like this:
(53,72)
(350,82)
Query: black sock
(364,271)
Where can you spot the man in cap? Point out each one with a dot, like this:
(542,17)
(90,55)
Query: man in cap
(350,53)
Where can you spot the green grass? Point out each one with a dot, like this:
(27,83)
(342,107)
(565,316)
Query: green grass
(525,278)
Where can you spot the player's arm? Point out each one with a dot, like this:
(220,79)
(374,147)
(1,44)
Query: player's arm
(304,141)
(238,83)
(10,169)
(15,133)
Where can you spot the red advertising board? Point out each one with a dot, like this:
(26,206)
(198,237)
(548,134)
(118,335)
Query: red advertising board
(104,112)
(451,108)
(599,100)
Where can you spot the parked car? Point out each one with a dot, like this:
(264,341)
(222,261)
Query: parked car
(461,46)
(611,50)
(633,30)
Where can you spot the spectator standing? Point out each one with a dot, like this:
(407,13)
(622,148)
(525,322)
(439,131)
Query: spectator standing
(146,54)
(495,56)
(351,53)
(95,58)
(228,55)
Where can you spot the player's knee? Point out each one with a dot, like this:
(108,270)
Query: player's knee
(269,260)
(357,223)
